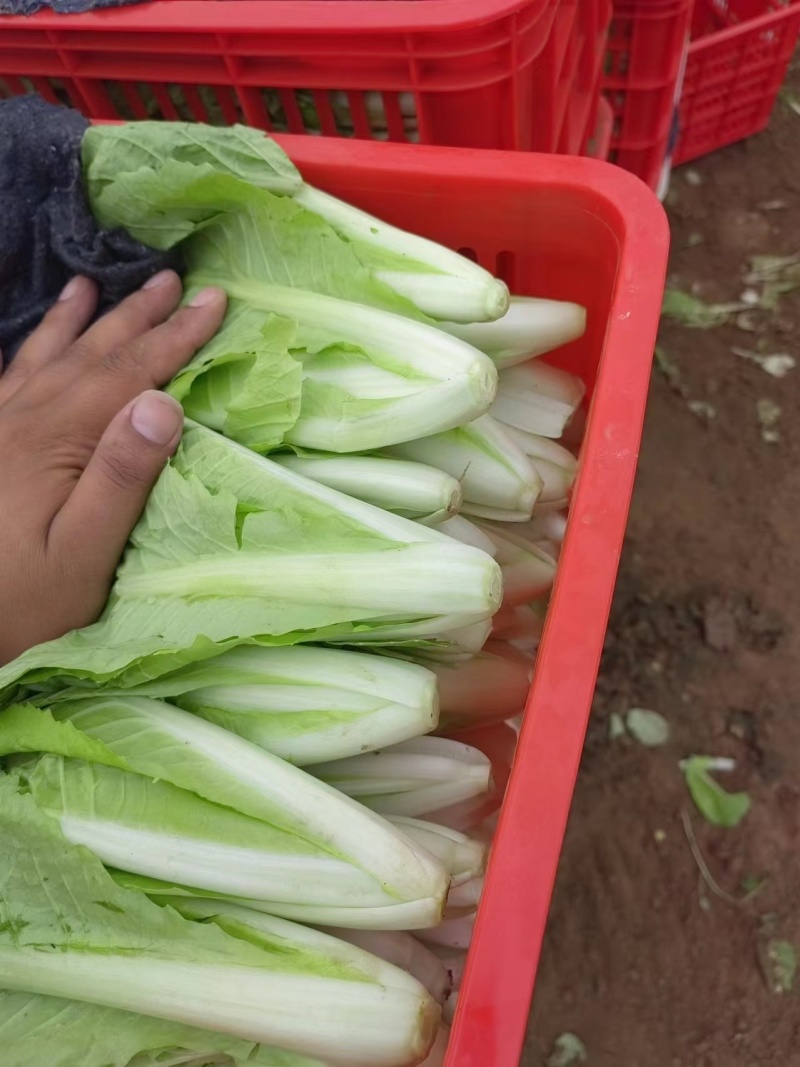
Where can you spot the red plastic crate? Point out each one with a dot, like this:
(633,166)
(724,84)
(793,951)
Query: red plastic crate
(566,228)
(475,73)
(647,45)
(599,144)
(737,62)
(581,95)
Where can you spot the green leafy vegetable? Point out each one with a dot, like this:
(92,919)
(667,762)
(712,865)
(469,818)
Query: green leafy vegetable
(304,704)
(212,810)
(162,181)
(372,372)
(233,548)
(245,383)
(67,930)
(42,1030)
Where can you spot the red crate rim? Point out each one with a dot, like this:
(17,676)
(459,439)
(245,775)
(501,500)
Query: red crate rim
(755,25)
(237,16)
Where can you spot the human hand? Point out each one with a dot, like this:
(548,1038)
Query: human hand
(83,438)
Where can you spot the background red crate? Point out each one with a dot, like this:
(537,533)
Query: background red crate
(644,61)
(737,62)
(476,73)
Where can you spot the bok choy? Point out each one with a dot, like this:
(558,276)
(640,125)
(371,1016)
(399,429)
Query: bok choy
(497,478)
(162,181)
(233,548)
(303,703)
(158,791)
(68,931)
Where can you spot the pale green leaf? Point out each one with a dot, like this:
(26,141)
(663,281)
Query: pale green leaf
(244,382)
(649,728)
(715,804)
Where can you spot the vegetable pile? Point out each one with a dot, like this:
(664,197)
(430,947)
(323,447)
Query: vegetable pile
(226,805)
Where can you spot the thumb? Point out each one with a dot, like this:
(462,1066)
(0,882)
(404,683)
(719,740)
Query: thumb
(111,493)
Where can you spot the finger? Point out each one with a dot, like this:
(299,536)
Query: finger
(110,495)
(153,359)
(61,327)
(136,315)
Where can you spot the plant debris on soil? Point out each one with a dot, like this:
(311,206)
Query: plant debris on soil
(648,963)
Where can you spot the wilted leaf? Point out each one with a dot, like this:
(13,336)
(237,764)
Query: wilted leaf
(647,727)
(693,312)
(776,365)
(768,268)
(768,413)
(777,275)
(714,804)
(568,1050)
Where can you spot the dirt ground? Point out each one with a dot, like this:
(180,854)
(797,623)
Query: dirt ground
(644,961)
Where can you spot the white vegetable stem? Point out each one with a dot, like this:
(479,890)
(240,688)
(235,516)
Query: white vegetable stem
(528,571)
(452,933)
(556,465)
(307,704)
(461,529)
(414,490)
(412,778)
(546,525)
(404,951)
(426,578)
(497,478)
(451,287)
(537,398)
(444,635)
(529,328)
(462,856)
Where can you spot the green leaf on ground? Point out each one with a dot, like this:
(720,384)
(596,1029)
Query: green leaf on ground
(693,312)
(712,801)
(568,1051)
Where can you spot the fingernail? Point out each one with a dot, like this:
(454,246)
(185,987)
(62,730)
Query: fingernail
(156,417)
(205,296)
(70,289)
(161,278)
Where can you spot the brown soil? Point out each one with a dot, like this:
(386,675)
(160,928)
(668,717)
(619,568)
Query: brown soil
(645,962)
